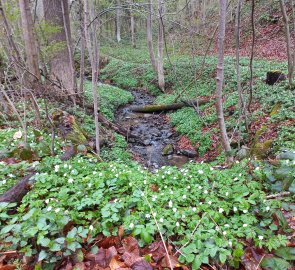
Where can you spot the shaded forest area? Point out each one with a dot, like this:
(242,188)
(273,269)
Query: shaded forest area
(147,134)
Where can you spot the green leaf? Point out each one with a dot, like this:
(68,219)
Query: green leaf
(146,237)
(7,228)
(42,256)
(197,262)
(273,227)
(44,241)
(222,257)
(274,263)
(189,258)
(287,253)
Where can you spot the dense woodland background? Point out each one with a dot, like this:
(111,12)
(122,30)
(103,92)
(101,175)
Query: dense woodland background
(147,134)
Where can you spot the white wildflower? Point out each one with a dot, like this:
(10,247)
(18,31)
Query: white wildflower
(57,210)
(221,210)
(224,233)
(267,208)
(147,215)
(183,216)
(217,228)
(177,224)
(184,196)
(200,171)
(200,203)
(91,228)
(194,209)
(89,185)
(226,225)
(49,208)
(245,225)
(170,203)
(47,201)
(200,187)
(56,168)
(209,202)
(131,226)
(161,220)
(188,187)
(154,214)
(245,211)
(65,166)
(100,174)
(171,192)
(230,243)
(205,191)
(235,209)
(260,237)
(174,210)
(71,180)
(226,193)
(144,181)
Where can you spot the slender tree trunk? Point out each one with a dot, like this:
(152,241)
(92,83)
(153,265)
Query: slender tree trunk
(240,94)
(82,50)
(219,81)
(149,35)
(288,43)
(32,59)
(61,63)
(92,45)
(132,26)
(161,78)
(118,21)
(252,55)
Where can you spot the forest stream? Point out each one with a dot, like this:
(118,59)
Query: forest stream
(156,141)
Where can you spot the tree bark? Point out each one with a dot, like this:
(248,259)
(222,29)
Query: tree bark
(82,50)
(149,35)
(132,26)
(168,107)
(16,193)
(92,45)
(240,94)
(32,59)
(56,13)
(288,43)
(161,78)
(118,21)
(219,81)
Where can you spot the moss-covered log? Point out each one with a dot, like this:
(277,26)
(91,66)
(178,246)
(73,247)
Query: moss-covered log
(168,107)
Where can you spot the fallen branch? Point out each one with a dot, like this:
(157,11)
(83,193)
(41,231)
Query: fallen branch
(17,192)
(168,107)
(281,194)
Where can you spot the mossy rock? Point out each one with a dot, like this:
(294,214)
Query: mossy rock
(261,149)
(167,150)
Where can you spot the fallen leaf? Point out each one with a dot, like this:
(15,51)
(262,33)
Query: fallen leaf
(141,265)
(130,245)
(80,266)
(166,263)
(121,231)
(103,257)
(112,241)
(157,250)
(116,263)
(7,267)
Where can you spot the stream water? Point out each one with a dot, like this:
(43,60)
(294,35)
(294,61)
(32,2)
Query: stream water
(153,135)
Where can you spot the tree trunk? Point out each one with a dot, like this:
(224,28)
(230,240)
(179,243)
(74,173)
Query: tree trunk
(288,43)
(132,26)
(219,81)
(149,35)
(168,107)
(32,60)
(82,50)
(118,21)
(56,12)
(161,78)
(240,94)
(92,45)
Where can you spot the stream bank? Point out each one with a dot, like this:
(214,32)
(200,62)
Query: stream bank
(156,141)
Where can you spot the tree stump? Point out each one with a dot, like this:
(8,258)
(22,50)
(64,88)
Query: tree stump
(274,76)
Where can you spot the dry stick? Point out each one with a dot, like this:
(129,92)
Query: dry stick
(192,234)
(162,238)
(16,112)
(52,128)
(281,194)
(252,55)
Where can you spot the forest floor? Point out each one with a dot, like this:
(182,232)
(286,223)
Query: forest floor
(84,214)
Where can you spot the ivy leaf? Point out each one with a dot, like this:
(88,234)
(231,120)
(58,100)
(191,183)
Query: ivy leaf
(7,228)
(197,262)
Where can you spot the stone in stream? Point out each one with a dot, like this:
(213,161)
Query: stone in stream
(189,153)
(167,150)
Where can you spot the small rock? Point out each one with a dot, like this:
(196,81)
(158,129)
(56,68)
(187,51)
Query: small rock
(189,153)
(167,150)
(147,142)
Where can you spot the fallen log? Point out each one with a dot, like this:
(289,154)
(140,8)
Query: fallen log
(17,192)
(168,107)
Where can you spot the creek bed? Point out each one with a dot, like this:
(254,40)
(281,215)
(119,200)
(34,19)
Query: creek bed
(154,135)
